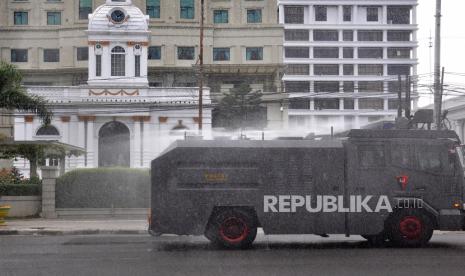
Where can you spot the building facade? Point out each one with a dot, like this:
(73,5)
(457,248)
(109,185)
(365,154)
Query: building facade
(117,117)
(47,40)
(343,60)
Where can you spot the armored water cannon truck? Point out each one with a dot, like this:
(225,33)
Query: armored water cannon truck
(396,185)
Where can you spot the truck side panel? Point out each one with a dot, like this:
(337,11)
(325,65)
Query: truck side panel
(304,172)
(187,183)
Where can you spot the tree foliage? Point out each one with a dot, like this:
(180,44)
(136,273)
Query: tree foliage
(240,108)
(32,152)
(13,96)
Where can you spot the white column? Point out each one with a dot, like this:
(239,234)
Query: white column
(339,14)
(281,14)
(73,139)
(355,15)
(19,128)
(137,144)
(80,142)
(148,151)
(414,15)
(143,62)
(130,60)
(90,144)
(91,62)
(384,15)
(28,131)
(63,130)
(311,14)
(106,62)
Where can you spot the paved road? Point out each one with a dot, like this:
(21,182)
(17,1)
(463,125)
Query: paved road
(275,255)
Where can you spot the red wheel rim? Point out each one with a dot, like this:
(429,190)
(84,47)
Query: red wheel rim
(411,227)
(233,230)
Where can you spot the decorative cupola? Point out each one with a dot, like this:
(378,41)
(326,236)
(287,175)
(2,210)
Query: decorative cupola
(118,35)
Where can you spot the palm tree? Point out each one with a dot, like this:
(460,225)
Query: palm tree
(13,96)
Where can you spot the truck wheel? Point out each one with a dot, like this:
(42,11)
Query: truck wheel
(232,228)
(410,228)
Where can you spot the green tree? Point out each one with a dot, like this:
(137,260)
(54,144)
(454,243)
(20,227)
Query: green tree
(34,152)
(13,96)
(240,108)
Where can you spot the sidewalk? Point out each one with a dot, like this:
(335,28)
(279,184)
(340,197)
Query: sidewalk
(73,227)
(106,226)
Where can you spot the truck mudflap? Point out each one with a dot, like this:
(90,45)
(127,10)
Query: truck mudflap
(451,219)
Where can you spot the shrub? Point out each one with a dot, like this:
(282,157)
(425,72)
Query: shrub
(12,183)
(20,189)
(103,188)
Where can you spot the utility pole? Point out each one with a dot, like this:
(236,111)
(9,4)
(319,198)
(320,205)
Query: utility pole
(201,67)
(399,98)
(441,93)
(437,66)
(408,83)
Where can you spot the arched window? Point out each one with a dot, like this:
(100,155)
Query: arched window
(48,131)
(179,129)
(118,61)
(179,126)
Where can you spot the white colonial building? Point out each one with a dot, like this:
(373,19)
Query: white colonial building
(117,118)
(343,59)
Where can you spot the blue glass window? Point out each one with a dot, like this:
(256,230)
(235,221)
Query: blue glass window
(154,52)
(220,16)
(53,18)
(51,55)
(220,54)
(153,8)
(85,7)
(186,53)
(254,16)
(20,18)
(254,53)
(187,9)
(18,55)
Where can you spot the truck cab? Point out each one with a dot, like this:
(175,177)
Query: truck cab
(414,168)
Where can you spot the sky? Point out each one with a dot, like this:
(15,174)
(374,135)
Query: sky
(452,45)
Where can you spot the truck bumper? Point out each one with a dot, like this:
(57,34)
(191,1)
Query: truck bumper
(451,219)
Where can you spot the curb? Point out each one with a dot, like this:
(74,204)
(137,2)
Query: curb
(52,232)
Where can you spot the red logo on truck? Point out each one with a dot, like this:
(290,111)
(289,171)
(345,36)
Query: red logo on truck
(403,181)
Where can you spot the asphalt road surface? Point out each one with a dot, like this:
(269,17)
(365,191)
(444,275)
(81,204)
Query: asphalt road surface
(271,255)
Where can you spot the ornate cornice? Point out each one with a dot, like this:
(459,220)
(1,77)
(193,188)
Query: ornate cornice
(108,92)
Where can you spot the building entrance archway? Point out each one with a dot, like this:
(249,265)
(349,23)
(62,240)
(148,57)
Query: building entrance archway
(114,145)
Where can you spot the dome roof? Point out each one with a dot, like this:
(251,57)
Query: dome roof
(118,17)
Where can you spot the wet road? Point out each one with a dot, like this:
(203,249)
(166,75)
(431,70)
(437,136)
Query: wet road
(271,255)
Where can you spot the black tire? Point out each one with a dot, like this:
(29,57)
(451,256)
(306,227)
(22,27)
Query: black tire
(410,228)
(376,240)
(232,228)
